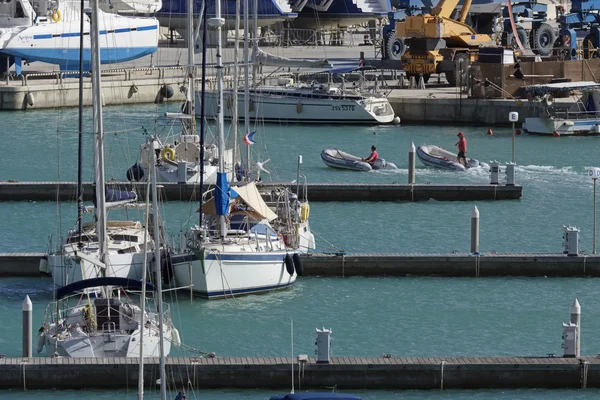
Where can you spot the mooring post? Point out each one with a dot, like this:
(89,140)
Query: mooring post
(475,231)
(576,319)
(27,326)
(411,164)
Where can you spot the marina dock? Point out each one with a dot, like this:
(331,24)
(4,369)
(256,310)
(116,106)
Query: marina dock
(66,191)
(400,264)
(275,373)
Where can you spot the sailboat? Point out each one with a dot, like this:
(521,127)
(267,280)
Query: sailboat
(180,156)
(236,248)
(109,325)
(101,248)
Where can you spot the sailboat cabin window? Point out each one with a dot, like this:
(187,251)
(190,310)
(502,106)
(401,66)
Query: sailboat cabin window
(84,239)
(262,229)
(124,238)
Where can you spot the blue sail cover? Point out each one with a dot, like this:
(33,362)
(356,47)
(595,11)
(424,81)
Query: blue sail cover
(221,194)
(113,195)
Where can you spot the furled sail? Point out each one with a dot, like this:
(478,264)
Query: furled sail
(263,58)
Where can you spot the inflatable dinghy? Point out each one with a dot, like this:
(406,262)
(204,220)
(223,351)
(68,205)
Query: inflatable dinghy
(434,156)
(339,159)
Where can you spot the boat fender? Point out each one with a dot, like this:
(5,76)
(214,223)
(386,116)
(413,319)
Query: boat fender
(135,173)
(44,265)
(298,264)
(239,172)
(29,98)
(166,265)
(56,16)
(289,264)
(304,212)
(166,91)
(40,340)
(298,108)
(167,154)
(175,337)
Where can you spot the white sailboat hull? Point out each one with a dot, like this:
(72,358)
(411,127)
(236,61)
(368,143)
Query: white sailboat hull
(231,273)
(65,269)
(286,106)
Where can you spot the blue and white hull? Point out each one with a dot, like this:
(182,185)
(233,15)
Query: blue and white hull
(54,39)
(221,272)
(318,14)
(173,13)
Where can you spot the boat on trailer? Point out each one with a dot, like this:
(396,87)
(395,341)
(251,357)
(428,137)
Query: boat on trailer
(434,156)
(582,118)
(335,158)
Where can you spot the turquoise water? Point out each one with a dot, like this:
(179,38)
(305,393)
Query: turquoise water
(369,316)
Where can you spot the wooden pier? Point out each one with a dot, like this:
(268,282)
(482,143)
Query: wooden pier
(274,373)
(66,191)
(399,264)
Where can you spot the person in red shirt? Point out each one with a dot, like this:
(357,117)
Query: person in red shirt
(373,157)
(462,149)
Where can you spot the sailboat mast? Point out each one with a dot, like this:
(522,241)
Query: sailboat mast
(80,136)
(156,234)
(234,119)
(98,132)
(190,106)
(219,22)
(202,109)
(255,41)
(246,86)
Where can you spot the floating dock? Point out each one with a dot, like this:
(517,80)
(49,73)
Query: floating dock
(399,264)
(66,191)
(274,373)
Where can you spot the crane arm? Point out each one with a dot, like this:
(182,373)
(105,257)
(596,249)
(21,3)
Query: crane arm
(444,8)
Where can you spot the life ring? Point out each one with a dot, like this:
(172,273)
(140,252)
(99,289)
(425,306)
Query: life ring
(289,264)
(304,212)
(298,264)
(56,16)
(167,154)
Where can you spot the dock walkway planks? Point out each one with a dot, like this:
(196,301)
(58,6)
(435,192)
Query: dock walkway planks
(400,264)
(317,192)
(274,372)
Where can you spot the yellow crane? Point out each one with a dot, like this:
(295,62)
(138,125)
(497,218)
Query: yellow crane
(440,44)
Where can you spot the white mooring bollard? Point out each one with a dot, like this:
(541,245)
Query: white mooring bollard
(411,164)
(475,231)
(27,326)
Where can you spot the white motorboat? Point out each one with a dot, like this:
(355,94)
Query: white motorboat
(335,158)
(310,103)
(582,118)
(434,156)
(52,35)
(106,326)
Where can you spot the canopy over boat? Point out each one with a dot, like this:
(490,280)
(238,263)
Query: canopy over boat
(125,283)
(561,86)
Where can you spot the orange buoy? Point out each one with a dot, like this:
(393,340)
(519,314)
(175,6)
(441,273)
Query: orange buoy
(555,134)
(490,132)
(518,131)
